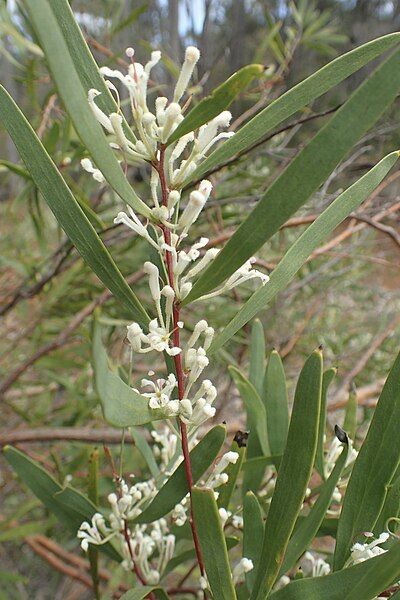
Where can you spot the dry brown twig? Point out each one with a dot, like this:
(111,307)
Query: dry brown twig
(64,336)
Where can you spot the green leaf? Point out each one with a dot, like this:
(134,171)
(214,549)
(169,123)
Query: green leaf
(350,418)
(131,18)
(252,479)
(254,407)
(306,530)
(122,406)
(257,355)
(145,450)
(373,470)
(232,470)
(175,488)
(231,542)
(309,241)
(64,206)
(17,169)
(276,404)
(293,475)
(363,581)
(21,531)
(48,490)
(319,458)
(220,99)
(74,96)
(212,543)
(253,531)
(142,592)
(85,65)
(294,99)
(304,175)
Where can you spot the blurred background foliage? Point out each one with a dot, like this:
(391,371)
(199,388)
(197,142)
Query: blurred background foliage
(346,297)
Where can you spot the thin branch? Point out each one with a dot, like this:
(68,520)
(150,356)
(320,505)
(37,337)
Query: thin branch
(266,139)
(105,435)
(63,337)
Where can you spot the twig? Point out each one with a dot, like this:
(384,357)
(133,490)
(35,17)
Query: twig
(63,337)
(372,348)
(106,51)
(266,139)
(53,434)
(46,115)
(66,562)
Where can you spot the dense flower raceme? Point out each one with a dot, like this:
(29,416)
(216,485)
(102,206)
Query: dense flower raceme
(152,125)
(152,545)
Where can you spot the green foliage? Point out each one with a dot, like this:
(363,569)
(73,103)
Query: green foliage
(272,500)
(221,99)
(293,475)
(373,470)
(213,544)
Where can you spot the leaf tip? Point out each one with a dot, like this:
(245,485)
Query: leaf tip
(341,435)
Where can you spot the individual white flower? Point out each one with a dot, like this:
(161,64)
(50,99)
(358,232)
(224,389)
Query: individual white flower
(87,165)
(161,391)
(92,533)
(224,516)
(133,222)
(282,581)
(362,552)
(244,566)
(192,56)
(237,522)
(313,566)
(334,451)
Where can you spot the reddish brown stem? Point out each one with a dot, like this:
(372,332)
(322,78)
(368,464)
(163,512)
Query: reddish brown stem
(178,363)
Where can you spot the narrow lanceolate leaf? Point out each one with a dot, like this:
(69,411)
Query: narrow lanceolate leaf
(308,527)
(319,458)
(143,591)
(293,475)
(294,99)
(175,488)
(253,532)
(64,206)
(363,581)
(373,470)
(47,489)
(276,404)
(226,491)
(85,65)
(305,245)
(257,355)
(305,173)
(74,97)
(252,479)
(122,406)
(220,99)
(254,407)
(213,544)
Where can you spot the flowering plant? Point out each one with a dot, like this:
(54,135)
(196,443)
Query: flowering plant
(281,485)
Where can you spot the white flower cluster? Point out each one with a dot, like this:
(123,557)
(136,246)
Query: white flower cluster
(154,127)
(314,566)
(334,451)
(184,394)
(217,478)
(362,552)
(149,547)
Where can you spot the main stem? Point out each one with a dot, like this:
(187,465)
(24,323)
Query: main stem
(178,363)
